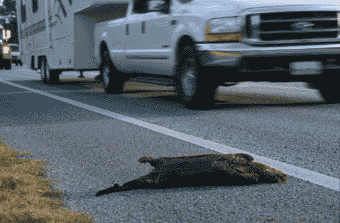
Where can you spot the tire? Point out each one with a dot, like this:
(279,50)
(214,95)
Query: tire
(329,90)
(8,64)
(196,90)
(49,76)
(111,78)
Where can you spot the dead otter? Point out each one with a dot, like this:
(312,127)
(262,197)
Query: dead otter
(201,170)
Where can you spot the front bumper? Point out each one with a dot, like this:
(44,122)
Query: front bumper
(16,59)
(7,56)
(232,54)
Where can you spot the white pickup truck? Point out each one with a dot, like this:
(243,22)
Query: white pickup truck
(197,45)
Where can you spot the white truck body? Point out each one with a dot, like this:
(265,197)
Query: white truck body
(73,38)
(298,35)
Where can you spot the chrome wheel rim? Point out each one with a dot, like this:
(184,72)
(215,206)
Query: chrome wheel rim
(188,82)
(106,77)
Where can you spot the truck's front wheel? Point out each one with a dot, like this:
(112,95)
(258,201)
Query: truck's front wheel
(112,79)
(196,90)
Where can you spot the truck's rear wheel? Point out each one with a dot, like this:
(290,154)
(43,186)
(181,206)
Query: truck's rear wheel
(111,78)
(49,76)
(196,90)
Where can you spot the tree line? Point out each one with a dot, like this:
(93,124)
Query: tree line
(8,9)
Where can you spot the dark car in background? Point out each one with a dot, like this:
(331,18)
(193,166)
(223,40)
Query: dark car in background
(9,54)
(5,57)
(15,53)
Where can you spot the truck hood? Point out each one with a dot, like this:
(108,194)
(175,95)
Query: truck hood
(223,8)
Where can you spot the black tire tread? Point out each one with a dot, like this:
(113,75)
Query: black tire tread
(205,87)
(116,86)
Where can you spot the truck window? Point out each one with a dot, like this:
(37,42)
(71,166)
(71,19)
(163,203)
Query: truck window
(144,6)
(185,1)
(34,6)
(23,11)
(140,6)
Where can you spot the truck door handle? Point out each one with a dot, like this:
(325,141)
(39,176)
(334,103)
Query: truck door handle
(173,22)
(143,27)
(127,29)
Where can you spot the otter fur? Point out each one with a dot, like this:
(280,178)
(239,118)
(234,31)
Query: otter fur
(201,170)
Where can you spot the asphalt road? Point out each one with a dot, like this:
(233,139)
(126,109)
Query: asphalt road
(90,150)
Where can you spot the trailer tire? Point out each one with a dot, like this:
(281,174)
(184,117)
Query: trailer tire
(49,76)
(196,90)
(111,78)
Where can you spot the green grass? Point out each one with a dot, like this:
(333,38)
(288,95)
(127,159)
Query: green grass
(26,195)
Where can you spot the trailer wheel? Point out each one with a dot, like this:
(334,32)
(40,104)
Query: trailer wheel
(49,76)
(196,90)
(112,79)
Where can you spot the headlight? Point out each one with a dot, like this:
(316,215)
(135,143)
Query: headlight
(224,29)
(225,25)
(5,50)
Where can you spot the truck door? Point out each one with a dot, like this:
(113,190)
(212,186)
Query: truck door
(159,32)
(136,39)
(149,43)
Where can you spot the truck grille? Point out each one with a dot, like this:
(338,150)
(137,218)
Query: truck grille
(298,25)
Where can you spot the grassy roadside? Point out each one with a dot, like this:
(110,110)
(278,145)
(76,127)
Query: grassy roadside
(26,195)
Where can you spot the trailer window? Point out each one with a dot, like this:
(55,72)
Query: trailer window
(34,6)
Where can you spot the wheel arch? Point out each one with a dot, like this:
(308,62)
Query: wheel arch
(182,41)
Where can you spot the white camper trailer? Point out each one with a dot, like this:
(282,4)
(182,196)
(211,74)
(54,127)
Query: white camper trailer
(68,42)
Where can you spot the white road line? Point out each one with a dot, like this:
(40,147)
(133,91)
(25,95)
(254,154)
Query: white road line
(23,92)
(301,173)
